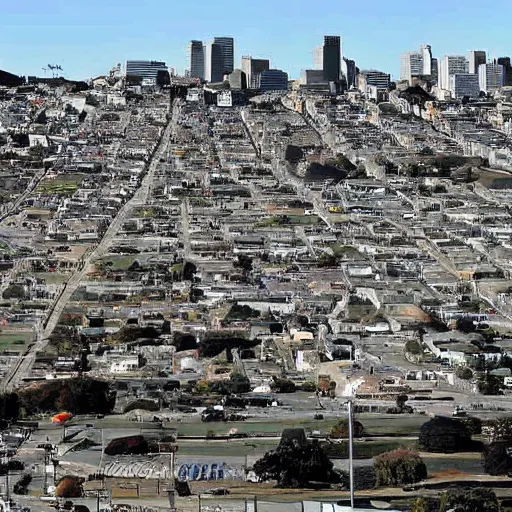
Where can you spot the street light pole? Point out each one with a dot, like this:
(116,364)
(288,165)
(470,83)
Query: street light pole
(351,453)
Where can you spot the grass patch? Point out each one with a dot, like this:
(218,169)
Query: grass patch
(64,185)
(52,277)
(15,340)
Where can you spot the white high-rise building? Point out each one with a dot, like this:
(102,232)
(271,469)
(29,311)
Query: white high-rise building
(426,57)
(318,57)
(491,77)
(450,65)
(411,66)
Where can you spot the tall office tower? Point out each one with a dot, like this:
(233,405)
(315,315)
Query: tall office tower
(426,57)
(491,77)
(450,65)
(434,76)
(274,80)
(318,57)
(145,69)
(348,68)
(196,55)
(253,69)
(475,58)
(411,66)
(464,84)
(213,63)
(227,45)
(332,58)
(507,69)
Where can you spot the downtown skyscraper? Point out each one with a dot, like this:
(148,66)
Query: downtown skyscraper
(227,48)
(332,58)
(196,55)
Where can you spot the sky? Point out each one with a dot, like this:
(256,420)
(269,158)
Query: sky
(87,38)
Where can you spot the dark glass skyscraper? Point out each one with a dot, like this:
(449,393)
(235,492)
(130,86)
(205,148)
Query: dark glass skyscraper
(227,48)
(332,58)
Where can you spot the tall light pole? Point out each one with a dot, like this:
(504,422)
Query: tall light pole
(351,453)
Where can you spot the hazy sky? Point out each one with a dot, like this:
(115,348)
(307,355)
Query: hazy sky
(88,37)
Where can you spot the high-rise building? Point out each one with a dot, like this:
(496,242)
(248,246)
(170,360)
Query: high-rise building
(227,45)
(372,77)
(411,66)
(491,77)
(274,80)
(464,84)
(332,58)
(312,77)
(253,69)
(434,77)
(475,58)
(213,63)
(426,58)
(450,65)
(145,69)
(196,55)
(237,79)
(318,58)
(348,68)
(507,68)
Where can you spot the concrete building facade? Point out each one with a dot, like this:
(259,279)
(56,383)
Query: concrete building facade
(146,69)
(464,84)
(253,69)
(451,65)
(274,80)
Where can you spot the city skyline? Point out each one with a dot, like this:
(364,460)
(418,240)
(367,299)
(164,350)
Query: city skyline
(89,44)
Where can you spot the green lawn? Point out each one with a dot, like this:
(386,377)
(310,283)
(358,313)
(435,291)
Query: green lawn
(61,185)
(52,277)
(17,341)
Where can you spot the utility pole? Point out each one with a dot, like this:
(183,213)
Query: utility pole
(351,453)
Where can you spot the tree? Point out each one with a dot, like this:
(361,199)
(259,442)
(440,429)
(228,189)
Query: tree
(399,467)
(500,429)
(283,385)
(497,458)
(469,500)
(490,385)
(444,435)
(236,385)
(69,487)
(295,466)
(184,341)
(340,430)
(464,373)
(14,291)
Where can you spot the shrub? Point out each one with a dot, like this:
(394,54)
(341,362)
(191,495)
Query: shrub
(399,467)
(490,385)
(69,487)
(21,486)
(497,459)
(283,386)
(340,430)
(413,347)
(309,387)
(444,435)
(474,425)
(464,373)
(499,429)
(469,500)
(364,478)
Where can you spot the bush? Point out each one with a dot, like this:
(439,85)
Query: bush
(283,386)
(464,373)
(469,500)
(340,430)
(142,403)
(490,385)
(413,347)
(309,387)
(399,467)
(474,425)
(69,487)
(236,385)
(499,429)
(21,486)
(14,291)
(496,458)
(184,341)
(364,478)
(444,435)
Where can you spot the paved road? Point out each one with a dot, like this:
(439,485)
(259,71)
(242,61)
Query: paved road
(140,197)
